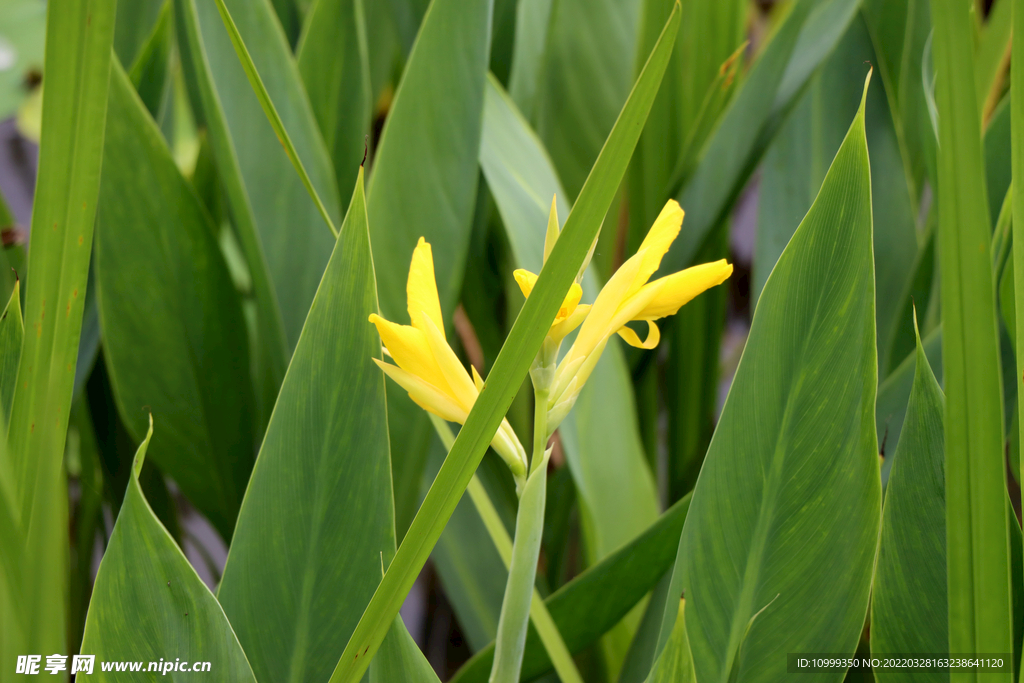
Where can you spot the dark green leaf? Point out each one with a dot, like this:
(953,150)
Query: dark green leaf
(173,332)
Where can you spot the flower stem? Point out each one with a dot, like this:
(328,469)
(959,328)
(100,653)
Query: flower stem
(550,637)
(540,426)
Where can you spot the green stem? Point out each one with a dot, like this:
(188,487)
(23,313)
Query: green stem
(540,427)
(545,625)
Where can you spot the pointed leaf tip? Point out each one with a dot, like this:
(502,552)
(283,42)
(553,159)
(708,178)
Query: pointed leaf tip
(140,454)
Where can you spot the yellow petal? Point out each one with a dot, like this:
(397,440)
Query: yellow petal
(525,279)
(672,291)
(551,236)
(421,288)
(569,303)
(477,379)
(653,336)
(464,392)
(659,238)
(571,322)
(423,394)
(597,324)
(409,348)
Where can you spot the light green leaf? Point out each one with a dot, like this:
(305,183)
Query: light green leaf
(149,604)
(12,332)
(173,332)
(593,602)
(976,519)
(333,505)
(279,227)
(334,63)
(399,659)
(424,184)
(807,381)
(74,114)
(510,368)
(992,56)
(675,665)
(796,163)
(910,580)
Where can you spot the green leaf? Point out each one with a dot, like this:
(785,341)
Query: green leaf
(279,227)
(511,366)
(74,113)
(992,56)
(806,382)
(12,332)
(585,77)
(335,67)
(399,659)
(593,602)
(135,22)
(424,184)
(675,665)
(533,19)
(894,396)
(910,579)
(150,71)
(976,520)
(173,332)
(998,157)
(796,163)
(148,598)
(333,505)
(899,30)
(806,36)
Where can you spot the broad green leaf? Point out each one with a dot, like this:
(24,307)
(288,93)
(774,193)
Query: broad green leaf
(910,579)
(22,30)
(424,184)
(12,332)
(675,665)
(794,449)
(585,77)
(511,366)
(333,504)
(334,63)
(593,602)
(805,38)
(278,225)
(74,114)
(976,520)
(798,159)
(149,604)
(173,332)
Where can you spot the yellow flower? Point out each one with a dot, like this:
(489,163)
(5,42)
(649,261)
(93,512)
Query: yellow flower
(628,296)
(427,367)
(570,314)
